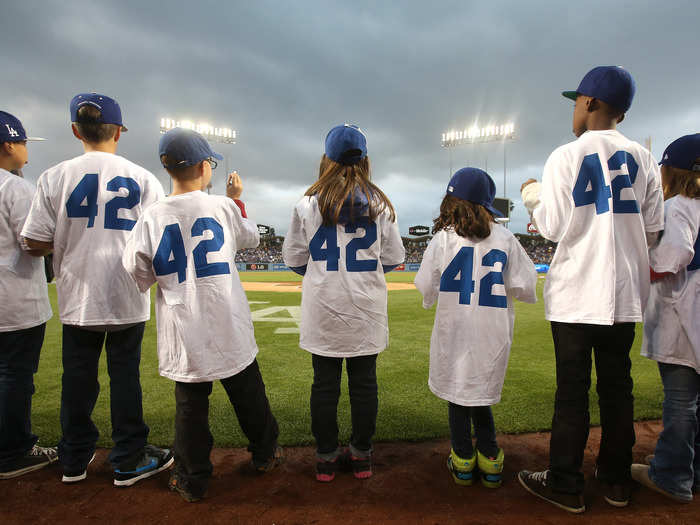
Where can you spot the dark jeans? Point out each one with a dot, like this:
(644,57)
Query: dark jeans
(572,346)
(81,355)
(461,418)
(19,361)
(193,440)
(325,392)
(676,464)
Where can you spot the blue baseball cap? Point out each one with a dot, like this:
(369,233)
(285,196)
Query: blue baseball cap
(611,84)
(186,147)
(11,129)
(682,153)
(110,112)
(346,144)
(474,185)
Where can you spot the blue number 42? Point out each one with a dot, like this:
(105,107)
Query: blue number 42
(457,277)
(328,235)
(86,191)
(590,187)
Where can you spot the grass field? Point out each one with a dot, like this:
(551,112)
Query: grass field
(407,409)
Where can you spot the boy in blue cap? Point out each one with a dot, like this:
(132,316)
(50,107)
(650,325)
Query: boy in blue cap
(83,210)
(24,310)
(671,327)
(601,200)
(187,243)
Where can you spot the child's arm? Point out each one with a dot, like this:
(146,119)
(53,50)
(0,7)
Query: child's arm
(295,250)
(39,227)
(652,207)
(676,248)
(427,279)
(393,252)
(137,256)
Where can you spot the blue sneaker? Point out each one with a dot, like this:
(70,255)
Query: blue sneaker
(153,461)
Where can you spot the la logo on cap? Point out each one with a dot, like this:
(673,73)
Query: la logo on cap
(11,131)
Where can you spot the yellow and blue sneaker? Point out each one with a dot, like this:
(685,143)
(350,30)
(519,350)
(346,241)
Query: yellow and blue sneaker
(491,469)
(462,470)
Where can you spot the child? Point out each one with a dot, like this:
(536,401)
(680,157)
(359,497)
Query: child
(672,326)
(599,199)
(343,238)
(473,327)
(24,310)
(187,244)
(84,209)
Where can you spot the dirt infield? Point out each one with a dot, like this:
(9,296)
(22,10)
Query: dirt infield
(296,286)
(411,485)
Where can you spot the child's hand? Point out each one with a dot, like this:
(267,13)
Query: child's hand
(234,186)
(528,181)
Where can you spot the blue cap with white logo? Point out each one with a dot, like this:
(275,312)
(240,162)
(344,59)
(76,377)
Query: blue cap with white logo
(346,144)
(683,153)
(474,185)
(611,84)
(110,112)
(185,147)
(11,129)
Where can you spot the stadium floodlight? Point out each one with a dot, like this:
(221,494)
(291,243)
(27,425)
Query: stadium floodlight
(476,134)
(222,135)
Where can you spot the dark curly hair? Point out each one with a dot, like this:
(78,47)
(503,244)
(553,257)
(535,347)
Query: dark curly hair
(466,218)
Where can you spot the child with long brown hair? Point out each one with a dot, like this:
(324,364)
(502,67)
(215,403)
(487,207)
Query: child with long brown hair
(672,327)
(473,328)
(342,239)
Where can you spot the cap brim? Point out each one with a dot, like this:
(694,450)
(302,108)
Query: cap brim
(217,156)
(124,128)
(35,139)
(573,95)
(493,210)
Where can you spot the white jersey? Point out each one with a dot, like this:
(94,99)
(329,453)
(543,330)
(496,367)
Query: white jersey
(672,318)
(599,196)
(474,284)
(187,244)
(24,299)
(344,297)
(87,206)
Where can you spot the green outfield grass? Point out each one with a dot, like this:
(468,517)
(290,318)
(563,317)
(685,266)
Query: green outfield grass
(407,409)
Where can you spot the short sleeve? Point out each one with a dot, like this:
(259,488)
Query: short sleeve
(520,276)
(393,251)
(552,214)
(41,220)
(295,250)
(676,248)
(427,279)
(653,205)
(245,230)
(137,257)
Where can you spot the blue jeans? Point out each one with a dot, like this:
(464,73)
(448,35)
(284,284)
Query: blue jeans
(80,388)
(676,464)
(461,418)
(19,361)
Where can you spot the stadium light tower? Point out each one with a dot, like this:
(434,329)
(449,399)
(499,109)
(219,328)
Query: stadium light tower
(220,135)
(476,135)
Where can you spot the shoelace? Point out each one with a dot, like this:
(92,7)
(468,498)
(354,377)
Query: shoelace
(540,476)
(41,451)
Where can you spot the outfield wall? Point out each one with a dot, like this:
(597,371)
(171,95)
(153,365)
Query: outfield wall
(281,267)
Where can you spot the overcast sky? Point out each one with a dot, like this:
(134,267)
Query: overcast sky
(283,73)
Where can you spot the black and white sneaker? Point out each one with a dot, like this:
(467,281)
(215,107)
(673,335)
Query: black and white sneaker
(153,461)
(36,458)
(536,483)
(77,475)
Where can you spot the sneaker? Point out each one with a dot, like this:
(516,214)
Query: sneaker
(77,475)
(640,474)
(274,461)
(361,467)
(462,469)
(36,458)
(536,483)
(326,469)
(615,494)
(176,485)
(491,469)
(153,461)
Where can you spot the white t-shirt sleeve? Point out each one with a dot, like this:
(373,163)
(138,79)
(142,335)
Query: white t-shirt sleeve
(553,212)
(653,205)
(393,251)
(19,209)
(152,191)
(137,257)
(41,220)
(675,250)
(427,279)
(295,250)
(520,276)
(245,230)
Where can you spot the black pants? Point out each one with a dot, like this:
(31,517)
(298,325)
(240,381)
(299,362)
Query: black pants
(461,418)
(193,440)
(19,361)
(81,356)
(611,346)
(325,392)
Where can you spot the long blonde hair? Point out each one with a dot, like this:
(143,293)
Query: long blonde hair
(336,182)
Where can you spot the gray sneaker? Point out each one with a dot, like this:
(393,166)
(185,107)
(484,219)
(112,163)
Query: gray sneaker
(536,483)
(36,458)
(640,474)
